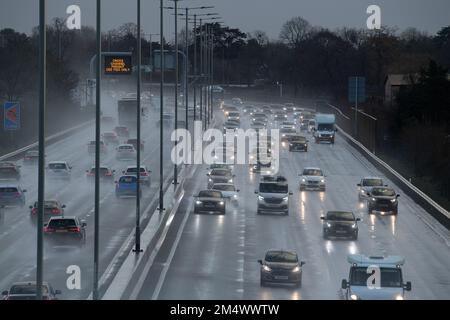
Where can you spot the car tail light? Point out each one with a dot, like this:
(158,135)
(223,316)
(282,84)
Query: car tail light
(108,174)
(55,211)
(47,229)
(34,210)
(74,229)
(144,174)
(17,194)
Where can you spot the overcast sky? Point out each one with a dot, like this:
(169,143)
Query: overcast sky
(248,15)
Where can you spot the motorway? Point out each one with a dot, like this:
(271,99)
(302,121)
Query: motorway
(117,216)
(215,257)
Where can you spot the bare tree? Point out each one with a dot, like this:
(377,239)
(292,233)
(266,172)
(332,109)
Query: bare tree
(294,31)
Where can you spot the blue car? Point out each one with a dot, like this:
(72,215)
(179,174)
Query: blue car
(12,196)
(126,186)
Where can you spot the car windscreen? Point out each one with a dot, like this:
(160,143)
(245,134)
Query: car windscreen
(48,204)
(340,216)
(233,114)
(312,172)
(325,127)
(62,223)
(383,192)
(273,188)
(287,130)
(299,139)
(26,289)
(126,147)
(60,166)
(220,173)
(134,170)
(281,256)
(128,179)
(210,194)
(8,190)
(103,171)
(372,182)
(390,277)
(223,187)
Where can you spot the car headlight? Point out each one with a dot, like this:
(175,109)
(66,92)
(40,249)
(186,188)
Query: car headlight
(221,203)
(322,180)
(328,225)
(230,181)
(260,198)
(354,226)
(198,202)
(266,268)
(235,196)
(210,180)
(393,200)
(362,191)
(373,199)
(296,269)
(303,180)
(399,297)
(354,297)
(285,199)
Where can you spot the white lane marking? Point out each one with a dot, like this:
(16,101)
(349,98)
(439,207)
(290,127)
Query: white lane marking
(162,277)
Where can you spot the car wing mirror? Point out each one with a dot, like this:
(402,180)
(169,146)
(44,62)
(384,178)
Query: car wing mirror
(359,185)
(87,171)
(302,263)
(291,193)
(322,218)
(31,207)
(63,206)
(208,174)
(358,219)
(24,190)
(397,195)
(45,224)
(344,284)
(57,291)
(238,190)
(256,191)
(368,194)
(408,286)
(260,262)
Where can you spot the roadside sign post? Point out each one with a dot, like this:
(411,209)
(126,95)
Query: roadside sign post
(11,116)
(356,93)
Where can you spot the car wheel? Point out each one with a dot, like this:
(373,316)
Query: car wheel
(355,236)
(370,210)
(299,283)
(324,235)
(395,212)
(302,188)
(262,282)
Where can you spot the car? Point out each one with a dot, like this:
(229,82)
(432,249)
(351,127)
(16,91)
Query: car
(208,201)
(287,125)
(249,110)
(12,195)
(298,143)
(237,101)
(26,290)
(362,268)
(51,208)
(133,141)
(367,184)
(31,157)
(228,190)
(286,133)
(91,147)
(110,138)
(304,124)
(219,176)
(127,186)
(263,153)
(340,224)
(9,171)
(280,117)
(125,152)
(273,195)
(168,118)
(59,170)
(224,154)
(144,174)
(312,178)
(227,109)
(311,125)
(234,116)
(258,125)
(259,116)
(106,173)
(281,266)
(62,230)
(122,131)
(382,199)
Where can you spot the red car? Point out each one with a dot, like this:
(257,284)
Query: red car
(105,173)
(110,138)
(51,208)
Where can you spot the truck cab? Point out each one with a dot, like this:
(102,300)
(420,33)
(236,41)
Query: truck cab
(325,128)
(375,278)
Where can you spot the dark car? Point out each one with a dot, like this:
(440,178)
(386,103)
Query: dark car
(219,176)
(133,141)
(51,208)
(9,171)
(12,196)
(27,291)
(91,147)
(105,173)
(340,224)
(110,138)
(298,143)
(383,199)
(208,201)
(281,266)
(121,131)
(65,230)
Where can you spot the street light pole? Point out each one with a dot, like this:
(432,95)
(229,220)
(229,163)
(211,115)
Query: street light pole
(186,62)
(161,102)
(201,73)
(41,164)
(175,171)
(137,247)
(95,294)
(195,67)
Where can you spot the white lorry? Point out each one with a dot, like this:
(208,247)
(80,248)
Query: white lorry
(325,128)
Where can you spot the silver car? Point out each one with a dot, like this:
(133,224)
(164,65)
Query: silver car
(366,185)
(312,179)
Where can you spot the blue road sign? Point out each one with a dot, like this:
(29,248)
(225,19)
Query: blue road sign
(11,116)
(356,89)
